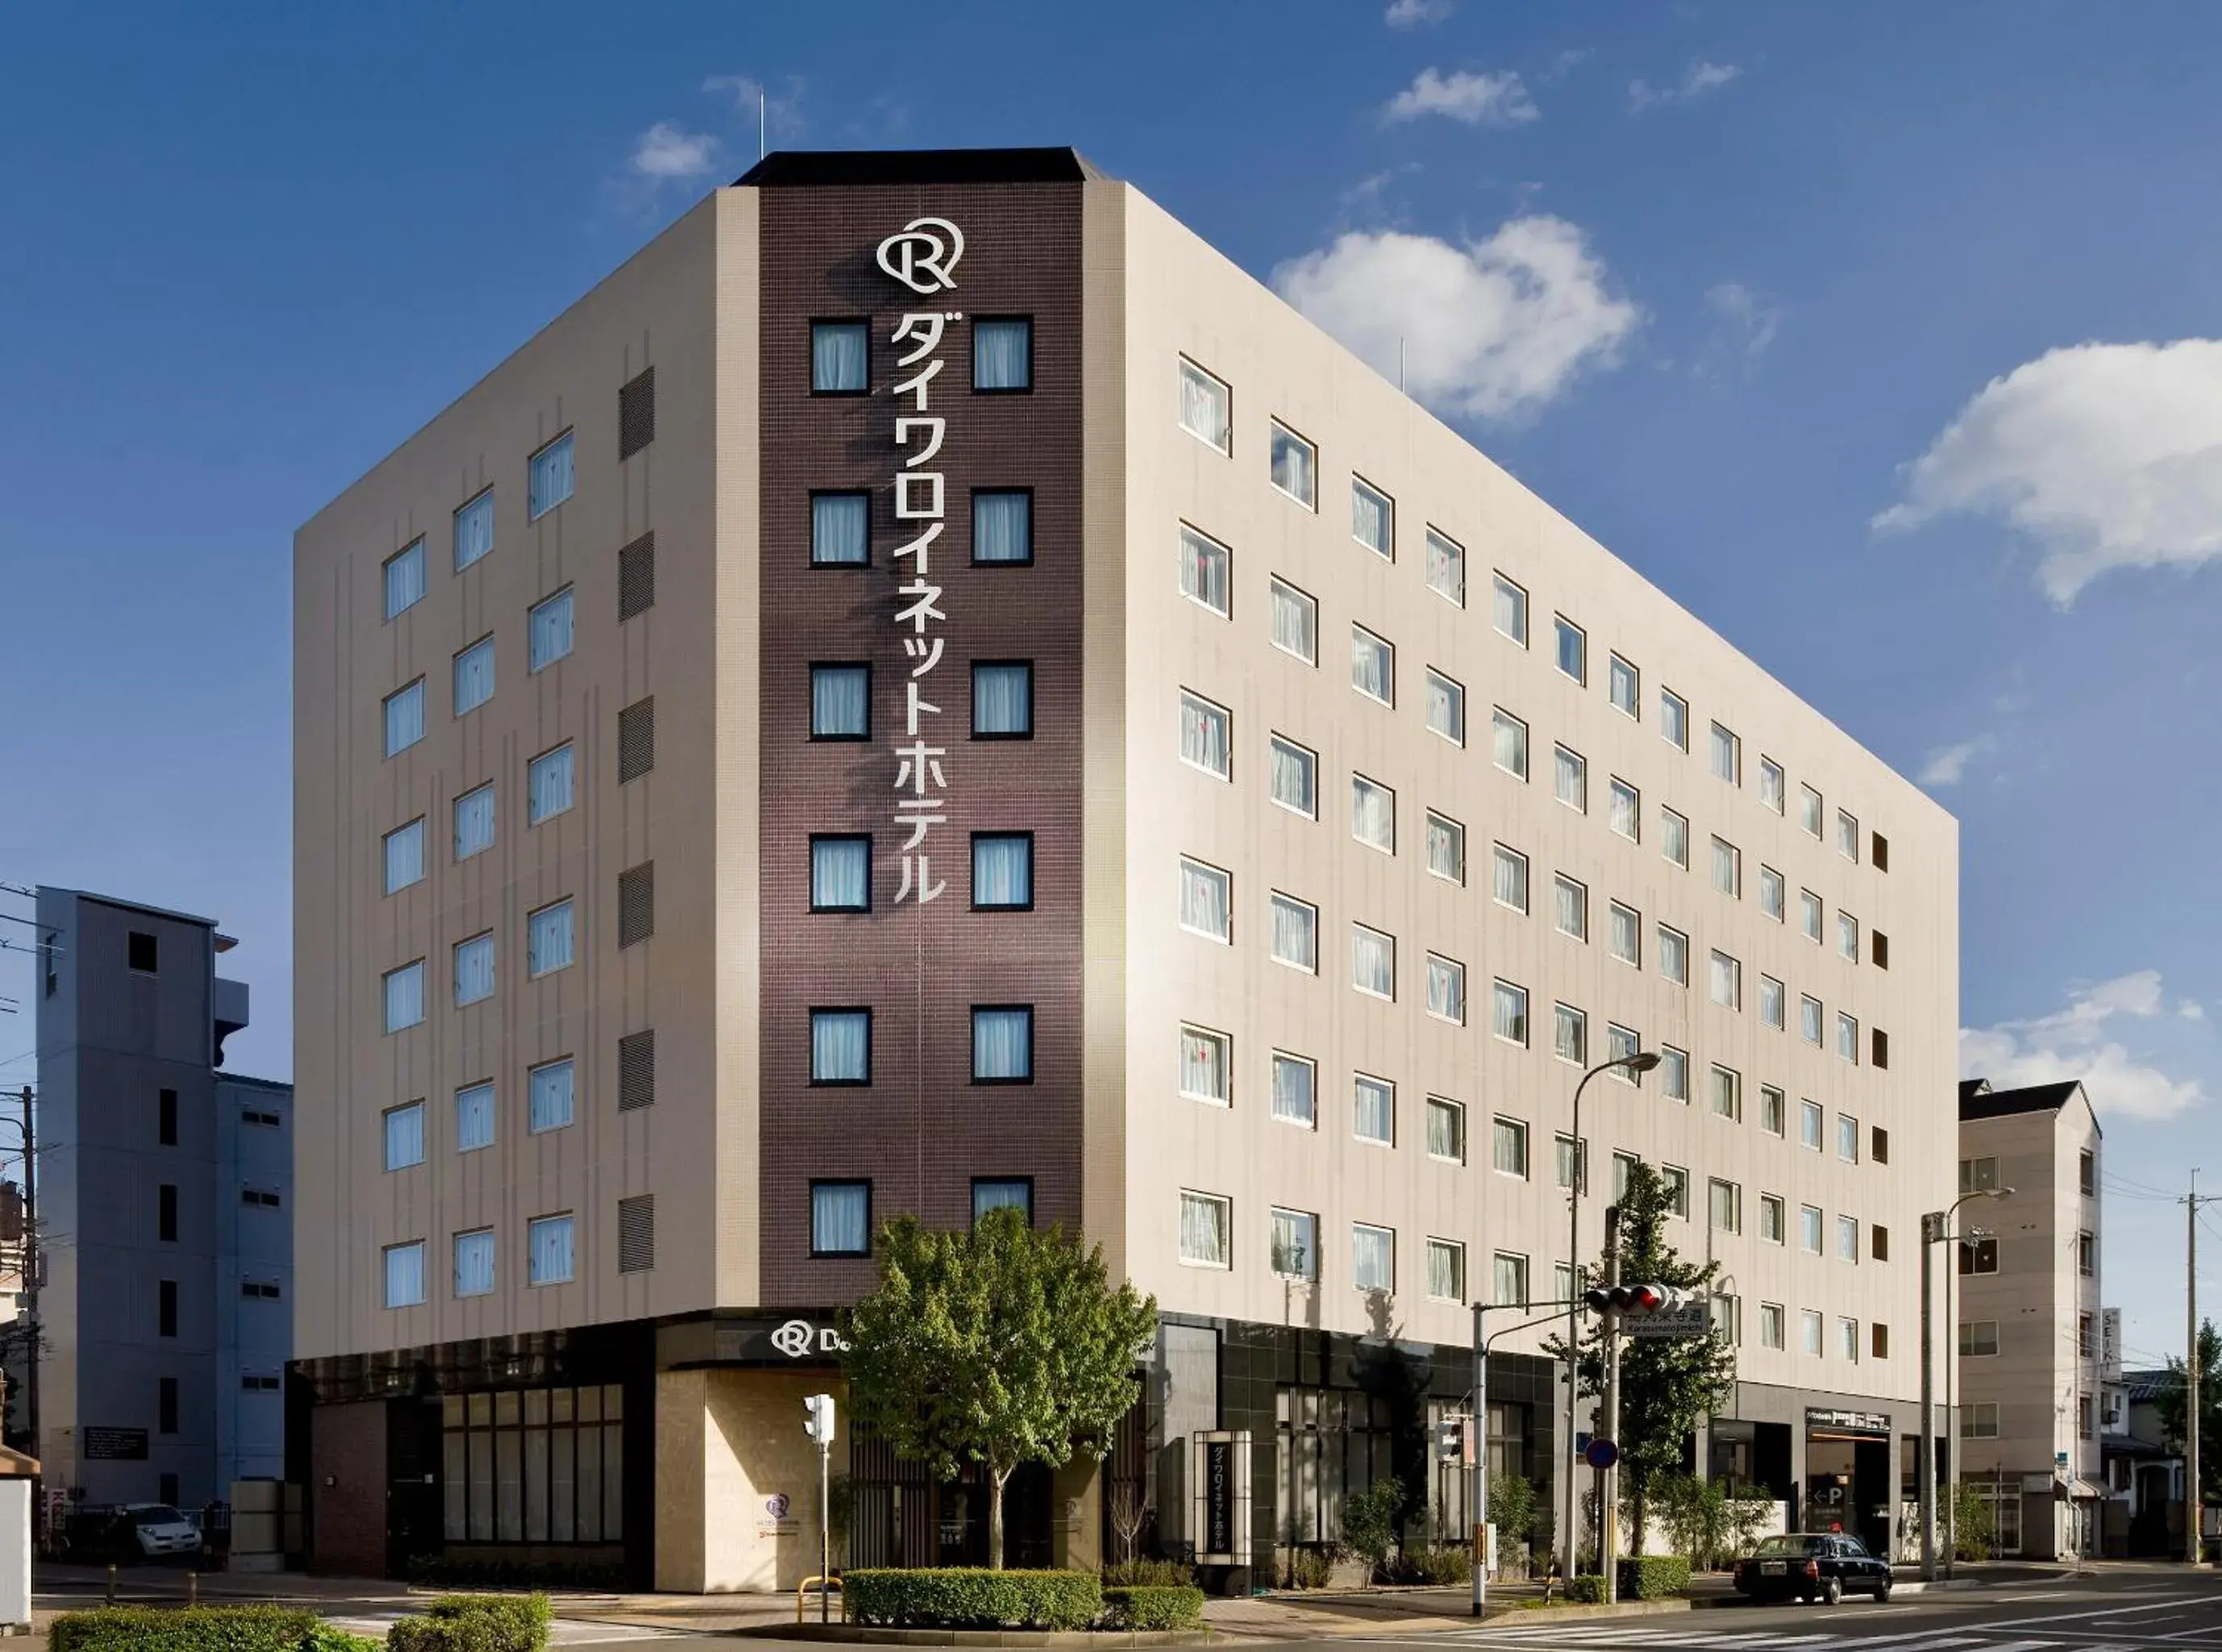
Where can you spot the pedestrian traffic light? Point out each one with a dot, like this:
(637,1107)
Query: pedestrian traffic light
(817,1418)
(1450,1439)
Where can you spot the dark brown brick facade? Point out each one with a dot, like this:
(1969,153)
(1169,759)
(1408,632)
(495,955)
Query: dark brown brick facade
(921,1131)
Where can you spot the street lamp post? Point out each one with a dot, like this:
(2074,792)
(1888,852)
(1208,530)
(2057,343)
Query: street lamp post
(1936,1230)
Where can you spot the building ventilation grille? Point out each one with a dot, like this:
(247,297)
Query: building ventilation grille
(636,413)
(637,577)
(637,904)
(636,1070)
(635,740)
(637,1233)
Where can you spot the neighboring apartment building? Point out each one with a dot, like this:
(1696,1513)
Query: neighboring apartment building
(165,1212)
(2031,1334)
(930,688)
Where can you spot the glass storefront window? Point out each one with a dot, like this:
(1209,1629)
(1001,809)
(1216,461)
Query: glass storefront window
(544,1465)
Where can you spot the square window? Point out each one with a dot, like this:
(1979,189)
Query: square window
(1446,568)
(1625,809)
(1446,988)
(1207,407)
(404,1274)
(1509,743)
(473,966)
(1002,353)
(1207,1063)
(1207,900)
(1206,571)
(405,1136)
(1447,1270)
(840,1046)
(840,1218)
(404,995)
(1772,790)
(1003,1193)
(551,785)
(404,578)
(841,873)
(548,939)
(1374,1110)
(1003,1044)
(1374,814)
(549,478)
(1295,464)
(1624,934)
(1674,955)
(840,352)
(1508,884)
(1508,609)
(473,1118)
(1372,1257)
(550,1096)
(1206,1220)
(1571,1035)
(840,530)
(1447,707)
(474,819)
(1295,1090)
(404,856)
(1204,735)
(1572,782)
(474,531)
(1003,699)
(1728,756)
(1507,1279)
(1508,1012)
(1372,665)
(1571,906)
(1624,687)
(1295,1245)
(1372,961)
(403,712)
(1447,1129)
(474,1260)
(1003,871)
(1674,837)
(1003,527)
(1372,518)
(1445,848)
(1296,933)
(475,676)
(1508,1152)
(1573,650)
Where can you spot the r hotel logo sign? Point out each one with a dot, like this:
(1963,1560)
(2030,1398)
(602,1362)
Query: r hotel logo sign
(798,1337)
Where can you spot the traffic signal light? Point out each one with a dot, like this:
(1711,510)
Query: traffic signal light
(817,1418)
(1450,1439)
(1638,1300)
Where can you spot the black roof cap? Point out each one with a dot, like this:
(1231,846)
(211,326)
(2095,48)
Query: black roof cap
(819,168)
(2000,1103)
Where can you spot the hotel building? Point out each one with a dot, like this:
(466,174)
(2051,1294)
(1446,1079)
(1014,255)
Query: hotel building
(931,688)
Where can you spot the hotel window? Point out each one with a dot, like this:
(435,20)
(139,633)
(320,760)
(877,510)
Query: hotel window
(1295,1090)
(1728,755)
(1372,961)
(1770,1325)
(1206,900)
(840,530)
(1573,648)
(1003,527)
(1847,1037)
(1507,1151)
(1296,933)
(1727,1093)
(1727,868)
(1372,665)
(1295,465)
(1848,1139)
(473,1260)
(548,939)
(1002,353)
(1623,1172)
(475,676)
(1446,988)
(1674,955)
(404,993)
(1623,685)
(1570,1038)
(1978,1420)
(1879,1143)
(1372,518)
(1508,1283)
(1808,915)
(473,821)
(839,351)
(1979,1339)
(840,1046)
(1624,933)
(1847,836)
(550,1096)
(1674,1074)
(405,1136)
(2086,1173)
(1848,937)
(1447,707)
(1770,784)
(1674,719)
(474,531)
(1773,1003)
(1573,782)
(1205,736)
(1809,810)
(1724,1206)
(1724,1313)
(1447,1129)
(550,785)
(1508,1016)
(1445,1270)
(1372,1257)
(1509,743)
(1809,1229)
(1570,1159)
(404,578)
(403,713)
(1571,906)
(1978,1175)
(549,632)
(1847,1239)
(1294,1244)
(1206,1061)
(1003,700)
(1374,814)
(1773,892)
(1674,837)
(1808,1125)
(404,1274)
(1677,1181)
(1810,1019)
(841,873)
(840,1218)
(1979,1255)
(1445,848)
(1296,622)
(1773,1110)
(404,856)
(1374,1110)
(2087,1256)
(474,969)
(1510,879)
(1625,809)
(473,1118)
(1847,1339)
(1002,1044)
(1446,568)
(1620,1043)
(1507,608)
(1206,572)
(1771,1218)
(1206,407)
(1003,871)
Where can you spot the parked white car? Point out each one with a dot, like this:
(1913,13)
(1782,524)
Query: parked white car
(158,1528)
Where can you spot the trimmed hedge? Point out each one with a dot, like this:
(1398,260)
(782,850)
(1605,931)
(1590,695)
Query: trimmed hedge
(475,1623)
(1152,1606)
(325,1638)
(1126,1575)
(1586,1588)
(969,1598)
(190,1629)
(1652,1577)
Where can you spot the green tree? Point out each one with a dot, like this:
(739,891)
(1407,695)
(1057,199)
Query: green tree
(1972,1523)
(1369,1521)
(2169,1404)
(1705,1519)
(998,1345)
(1666,1383)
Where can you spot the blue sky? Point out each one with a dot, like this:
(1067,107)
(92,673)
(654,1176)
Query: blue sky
(1726,284)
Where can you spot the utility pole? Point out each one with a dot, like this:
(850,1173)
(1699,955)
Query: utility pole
(1609,1419)
(2191,1512)
(1478,1515)
(32,1262)
(1932,1224)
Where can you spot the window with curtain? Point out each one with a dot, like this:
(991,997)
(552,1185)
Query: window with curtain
(1728,1092)
(1002,353)
(1446,1129)
(1673,1073)
(1003,1045)
(840,1218)
(839,356)
(1372,814)
(1772,1108)
(1206,571)
(1509,882)
(1571,1035)
(551,785)
(1810,1018)
(840,874)
(473,969)
(1773,892)
(1205,1219)
(1002,525)
(548,1250)
(1372,1257)
(1572,782)
(474,822)
(405,1136)
(1848,1340)
(1773,1222)
(1674,955)
(1808,1125)
(840,702)
(1727,981)
(549,478)
(1206,900)
(1678,1189)
(1447,707)
(1728,756)
(1620,1043)
(1624,933)
(405,718)
(1003,699)
(1809,1229)
(475,676)
(1446,568)
(1295,465)
(1623,687)
(548,939)
(1445,848)
(1724,1206)
(1296,622)
(1809,810)
(1809,914)
(1294,1244)
(1445,1270)
(1372,665)
(1574,651)
(473,1118)
(1296,933)
(1507,608)
(1847,1138)
(1674,719)
(1625,809)
(1848,937)
(1674,837)
(1204,735)
(1847,836)
(1508,1147)
(1206,1065)
(404,1274)
(1771,787)
(550,631)
(405,997)
(1293,777)
(1002,1193)
(1509,1012)
(404,856)
(550,1096)
(1773,1002)
(1374,1110)
(840,1046)
(1206,406)
(1373,961)
(1571,902)
(1446,988)
(840,530)
(1003,871)
(1295,1085)
(1372,520)
(1847,1037)
(1727,868)
(1509,1280)
(474,531)
(404,578)
(474,1263)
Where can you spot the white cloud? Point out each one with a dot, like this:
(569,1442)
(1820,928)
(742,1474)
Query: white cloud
(1498,99)
(665,153)
(2106,456)
(2076,1043)
(1749,322)
(1490,330)
(2192,1010)
(1701,78)
(1410,13)
(1947,764)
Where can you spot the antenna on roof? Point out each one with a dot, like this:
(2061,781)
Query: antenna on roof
(760,123)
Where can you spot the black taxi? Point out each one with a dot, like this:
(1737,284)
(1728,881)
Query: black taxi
(1811,1566)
